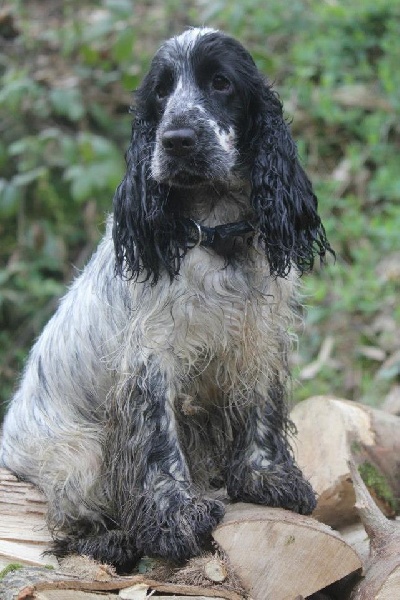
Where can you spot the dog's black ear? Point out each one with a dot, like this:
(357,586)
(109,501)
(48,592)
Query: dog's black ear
(143,236)
(282,196)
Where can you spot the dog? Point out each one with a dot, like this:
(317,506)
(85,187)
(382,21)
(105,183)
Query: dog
(163,375)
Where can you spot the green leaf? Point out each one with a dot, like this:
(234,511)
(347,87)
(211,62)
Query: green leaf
(68,102)
(24,179)
(9,198)
(122,49)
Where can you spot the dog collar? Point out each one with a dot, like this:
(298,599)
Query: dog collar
(200,235)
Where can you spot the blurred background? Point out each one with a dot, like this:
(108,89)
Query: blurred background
(67,73)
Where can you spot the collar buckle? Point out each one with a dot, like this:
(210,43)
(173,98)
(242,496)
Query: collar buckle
(196,229)
(200,235)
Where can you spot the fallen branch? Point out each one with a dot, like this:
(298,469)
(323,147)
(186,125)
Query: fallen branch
(382,568)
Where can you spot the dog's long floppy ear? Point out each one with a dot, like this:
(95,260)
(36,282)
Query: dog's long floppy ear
(282,196)
(143,232)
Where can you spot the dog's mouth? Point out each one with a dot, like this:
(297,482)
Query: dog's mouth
(185,173)
(195,171)
(186,179)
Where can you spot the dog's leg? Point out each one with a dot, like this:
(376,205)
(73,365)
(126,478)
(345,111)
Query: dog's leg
(150,479)
(261,464)
(146,481)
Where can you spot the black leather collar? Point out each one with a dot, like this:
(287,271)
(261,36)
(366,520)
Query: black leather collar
(212,237)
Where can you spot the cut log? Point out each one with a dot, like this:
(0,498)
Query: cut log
(31,584)
(280,554)
(134,595)
(382,569)
(24,535)
(332,431)
(72,595)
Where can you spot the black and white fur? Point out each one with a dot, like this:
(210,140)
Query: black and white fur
(163,373)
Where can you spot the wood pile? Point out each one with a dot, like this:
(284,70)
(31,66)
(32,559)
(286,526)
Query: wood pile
(348,550)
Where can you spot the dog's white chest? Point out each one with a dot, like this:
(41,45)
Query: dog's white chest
(212,313)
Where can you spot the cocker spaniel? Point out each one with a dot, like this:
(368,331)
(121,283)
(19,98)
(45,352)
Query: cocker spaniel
(163,374)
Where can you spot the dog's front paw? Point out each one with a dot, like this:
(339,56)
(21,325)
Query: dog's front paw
(281,486)
(180,530)
(111,547)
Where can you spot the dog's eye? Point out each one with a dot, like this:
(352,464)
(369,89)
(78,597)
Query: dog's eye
(162,91)
(221,84)
(164,88)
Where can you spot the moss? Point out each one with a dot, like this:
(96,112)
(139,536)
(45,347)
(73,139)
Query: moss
(290,540)
(9,569)
(377,482)
(356,447)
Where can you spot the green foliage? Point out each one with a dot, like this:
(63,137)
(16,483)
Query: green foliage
(66,78)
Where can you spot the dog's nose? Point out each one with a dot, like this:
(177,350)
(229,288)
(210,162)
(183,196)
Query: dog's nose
(179,142)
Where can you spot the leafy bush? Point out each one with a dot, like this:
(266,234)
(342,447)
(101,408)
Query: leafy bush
(66,79)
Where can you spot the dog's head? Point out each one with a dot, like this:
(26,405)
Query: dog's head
(206,122)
